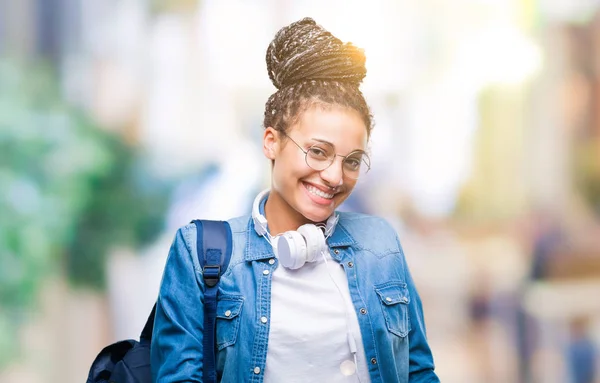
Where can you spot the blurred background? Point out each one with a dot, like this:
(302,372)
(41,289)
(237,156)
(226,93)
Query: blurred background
(121,120)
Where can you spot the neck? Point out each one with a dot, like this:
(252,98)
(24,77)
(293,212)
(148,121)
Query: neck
(281,216)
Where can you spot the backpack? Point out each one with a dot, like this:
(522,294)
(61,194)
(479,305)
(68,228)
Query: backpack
(128,361)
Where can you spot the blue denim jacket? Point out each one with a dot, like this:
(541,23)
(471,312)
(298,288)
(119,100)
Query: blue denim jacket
(385,300)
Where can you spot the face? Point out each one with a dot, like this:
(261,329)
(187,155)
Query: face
(304,192)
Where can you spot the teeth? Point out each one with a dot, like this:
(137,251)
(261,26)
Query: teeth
(318,192)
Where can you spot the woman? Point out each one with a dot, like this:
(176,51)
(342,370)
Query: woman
(344,310)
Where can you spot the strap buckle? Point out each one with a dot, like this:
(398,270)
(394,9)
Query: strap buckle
(211,275)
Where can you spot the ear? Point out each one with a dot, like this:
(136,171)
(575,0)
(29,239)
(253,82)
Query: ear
(270,143)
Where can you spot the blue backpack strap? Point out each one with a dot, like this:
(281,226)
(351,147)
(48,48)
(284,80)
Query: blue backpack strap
(214,245)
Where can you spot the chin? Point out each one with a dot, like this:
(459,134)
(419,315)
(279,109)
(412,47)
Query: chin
(319,214)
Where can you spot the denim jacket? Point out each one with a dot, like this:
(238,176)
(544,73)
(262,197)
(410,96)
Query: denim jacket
(384,296)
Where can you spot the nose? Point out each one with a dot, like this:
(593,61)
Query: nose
(334,174)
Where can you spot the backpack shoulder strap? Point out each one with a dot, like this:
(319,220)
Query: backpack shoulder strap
(214,247)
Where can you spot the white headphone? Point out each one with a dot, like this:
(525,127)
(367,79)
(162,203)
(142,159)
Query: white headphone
(294,248)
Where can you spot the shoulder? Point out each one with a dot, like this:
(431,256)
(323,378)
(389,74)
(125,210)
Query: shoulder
(185,236)
(350,216)
(370,232)
(239,224)
(366,223)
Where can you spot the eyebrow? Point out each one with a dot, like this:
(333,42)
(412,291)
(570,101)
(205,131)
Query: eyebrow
(333,146)
(323,141)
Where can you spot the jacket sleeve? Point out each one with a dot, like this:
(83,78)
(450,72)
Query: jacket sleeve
(421,366)
(176,349)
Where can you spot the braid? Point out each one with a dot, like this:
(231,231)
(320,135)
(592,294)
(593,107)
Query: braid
(307,64)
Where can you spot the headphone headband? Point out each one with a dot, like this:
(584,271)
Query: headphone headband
(260,222)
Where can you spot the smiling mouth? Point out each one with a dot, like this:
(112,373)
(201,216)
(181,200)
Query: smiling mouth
(319,193)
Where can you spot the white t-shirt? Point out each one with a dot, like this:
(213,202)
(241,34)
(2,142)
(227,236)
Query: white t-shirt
(309,321)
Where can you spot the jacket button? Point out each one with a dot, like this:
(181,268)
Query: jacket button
(257,370)
(350,264)
(373,361)
(336,251)
(271,261)
(266,272)
(264,319)
(228,313)
(363,311)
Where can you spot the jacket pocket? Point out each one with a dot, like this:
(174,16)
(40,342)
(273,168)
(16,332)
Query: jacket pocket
(394,299)
(229,308)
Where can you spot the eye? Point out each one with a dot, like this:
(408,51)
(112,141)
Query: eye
(318,153)
(352,163)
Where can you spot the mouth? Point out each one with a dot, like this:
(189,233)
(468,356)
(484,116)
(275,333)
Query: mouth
(318,195)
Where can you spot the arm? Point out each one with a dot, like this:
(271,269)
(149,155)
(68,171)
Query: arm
(421,366)
(176,350)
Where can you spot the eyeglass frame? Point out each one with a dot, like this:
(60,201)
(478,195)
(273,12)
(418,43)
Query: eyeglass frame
(364,153)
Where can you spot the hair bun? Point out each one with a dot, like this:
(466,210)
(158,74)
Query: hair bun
(304,51)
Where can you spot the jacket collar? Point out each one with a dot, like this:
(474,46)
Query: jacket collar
(340,237)
(257,247)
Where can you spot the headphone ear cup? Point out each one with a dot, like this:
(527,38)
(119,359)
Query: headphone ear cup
(315,241)
(291,249)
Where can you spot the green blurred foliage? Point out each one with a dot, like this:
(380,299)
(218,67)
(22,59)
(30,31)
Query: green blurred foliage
(69,192)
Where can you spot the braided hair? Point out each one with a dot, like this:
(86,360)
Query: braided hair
(308,65)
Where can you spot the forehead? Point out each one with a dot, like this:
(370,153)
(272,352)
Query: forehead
(341,126)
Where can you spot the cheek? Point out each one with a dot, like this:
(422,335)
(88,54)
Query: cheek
(289,166)
(346,193)
(349,186)
(284,172)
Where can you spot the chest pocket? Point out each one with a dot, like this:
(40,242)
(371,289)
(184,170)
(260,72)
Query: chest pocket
(394,299)
(229,308)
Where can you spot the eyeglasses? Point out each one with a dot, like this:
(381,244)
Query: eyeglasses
(320,156)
